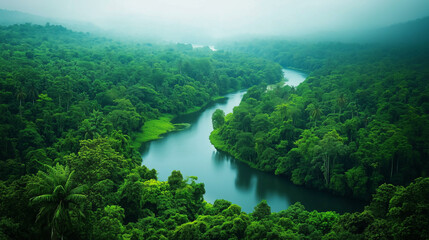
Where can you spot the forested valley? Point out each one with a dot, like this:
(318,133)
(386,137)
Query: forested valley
(360,119)
(73,107)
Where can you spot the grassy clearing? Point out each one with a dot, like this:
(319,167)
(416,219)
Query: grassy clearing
(153,129)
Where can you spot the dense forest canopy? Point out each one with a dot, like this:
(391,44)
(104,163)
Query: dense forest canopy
(72,104)
(59,87)
(360,119)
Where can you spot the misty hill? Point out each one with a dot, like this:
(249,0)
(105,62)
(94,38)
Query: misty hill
(411,32)
(416,31)
(15,17)
(147,30)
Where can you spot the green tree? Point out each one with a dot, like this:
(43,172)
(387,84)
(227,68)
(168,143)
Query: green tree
(58,197)
(175,180)
(408,211)
(218,118)
(331,147)
(109,223)
(262,210)
(187,231)
(20,96)
(97,161)
(131,197)
(256,230)
(357,180)
(341,101)
(315,112)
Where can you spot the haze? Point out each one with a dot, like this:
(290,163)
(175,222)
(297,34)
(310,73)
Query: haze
(199,20)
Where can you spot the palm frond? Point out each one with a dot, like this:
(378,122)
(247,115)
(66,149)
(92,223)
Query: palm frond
(69,182)
(78,189)
(45,198)
(59,212)
(59,189)
(75,198)
(57,197)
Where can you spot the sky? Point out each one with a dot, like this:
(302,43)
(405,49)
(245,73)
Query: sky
(227,18)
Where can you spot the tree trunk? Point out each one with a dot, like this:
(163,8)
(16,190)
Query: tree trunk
(326,165)
(20,108)
(397,165)
(339,116)
(329,171)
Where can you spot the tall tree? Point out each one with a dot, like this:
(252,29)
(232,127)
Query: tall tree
(58,197)
(341,101)
(315,112)
(20,96)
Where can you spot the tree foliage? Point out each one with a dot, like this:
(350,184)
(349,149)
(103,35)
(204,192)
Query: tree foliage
(349,127)
(71,104)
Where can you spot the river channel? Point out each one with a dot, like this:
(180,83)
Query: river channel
(191,152)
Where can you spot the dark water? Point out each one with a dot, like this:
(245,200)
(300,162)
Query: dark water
(191,152)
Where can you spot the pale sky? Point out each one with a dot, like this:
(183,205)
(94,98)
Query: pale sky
(225,18)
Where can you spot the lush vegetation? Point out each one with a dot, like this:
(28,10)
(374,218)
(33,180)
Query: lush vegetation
(359,120)
(71,108)
(72,105)
(59,87)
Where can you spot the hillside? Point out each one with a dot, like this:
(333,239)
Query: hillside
(15,17)
(412,32)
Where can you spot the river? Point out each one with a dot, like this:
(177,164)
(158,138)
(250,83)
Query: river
(191,152)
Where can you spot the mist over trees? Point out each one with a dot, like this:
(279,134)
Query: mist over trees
(74,104)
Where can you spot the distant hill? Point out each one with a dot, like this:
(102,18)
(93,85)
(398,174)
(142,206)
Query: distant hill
(412,32)
(15,17)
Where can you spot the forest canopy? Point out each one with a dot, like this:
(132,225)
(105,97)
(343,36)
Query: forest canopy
(72,104)
(360,119)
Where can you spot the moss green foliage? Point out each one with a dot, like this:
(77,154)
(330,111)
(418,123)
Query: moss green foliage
(60,87)
(153,129)
(359,120)
(68,168)
(218,118)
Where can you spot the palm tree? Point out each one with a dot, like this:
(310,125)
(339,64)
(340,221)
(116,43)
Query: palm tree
(20,95)
(58,197)
(315,111)
(32,92)
(353,108)
(341,101)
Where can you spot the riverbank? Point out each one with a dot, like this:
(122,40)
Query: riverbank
(154,129)
(220,145)
(224,176)
(291,77)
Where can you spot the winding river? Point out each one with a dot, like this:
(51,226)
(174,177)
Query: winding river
(191,152)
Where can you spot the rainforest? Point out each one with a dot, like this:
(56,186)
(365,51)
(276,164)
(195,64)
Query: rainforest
(85,115)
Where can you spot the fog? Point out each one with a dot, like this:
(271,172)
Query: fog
(205,20)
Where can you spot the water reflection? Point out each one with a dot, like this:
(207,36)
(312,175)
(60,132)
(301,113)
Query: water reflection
(218,159)
(224,177)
